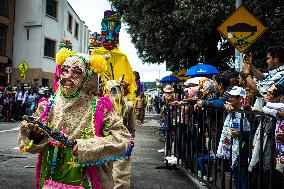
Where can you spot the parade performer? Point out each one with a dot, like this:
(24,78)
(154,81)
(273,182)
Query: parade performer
(140,86)
(76,113)
(124,107)
(118,63)
(140,104)
(95,42)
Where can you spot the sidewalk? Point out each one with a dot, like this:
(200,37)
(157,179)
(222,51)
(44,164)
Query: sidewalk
(146,158)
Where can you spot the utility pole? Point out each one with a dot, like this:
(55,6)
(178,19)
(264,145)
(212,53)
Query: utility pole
(238,54)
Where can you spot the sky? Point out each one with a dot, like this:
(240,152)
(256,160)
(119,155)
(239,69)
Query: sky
(92,12)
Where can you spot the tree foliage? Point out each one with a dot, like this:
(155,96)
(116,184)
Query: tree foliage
(184,32)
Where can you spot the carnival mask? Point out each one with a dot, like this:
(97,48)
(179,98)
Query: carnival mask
(73,72)
(110,30)
(95,41)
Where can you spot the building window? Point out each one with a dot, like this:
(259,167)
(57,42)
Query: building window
(70,22)
(49,48)
(76,30)
(3,39)
(51,8)
(4,8)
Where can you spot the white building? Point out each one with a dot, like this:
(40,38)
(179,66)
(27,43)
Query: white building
(39,27)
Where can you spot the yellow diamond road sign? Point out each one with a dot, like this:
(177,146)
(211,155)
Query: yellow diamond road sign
(241,28)
(23,66)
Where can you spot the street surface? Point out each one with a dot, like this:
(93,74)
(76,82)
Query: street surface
(17,169)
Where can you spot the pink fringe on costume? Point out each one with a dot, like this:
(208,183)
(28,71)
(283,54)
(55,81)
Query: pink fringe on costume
(39,159)
(103,103)
(92,172)
(56,76)
(38,166)
(44,113)
(42,99)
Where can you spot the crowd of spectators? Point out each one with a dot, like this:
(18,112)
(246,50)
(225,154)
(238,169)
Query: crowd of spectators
(21,100)
(248,90)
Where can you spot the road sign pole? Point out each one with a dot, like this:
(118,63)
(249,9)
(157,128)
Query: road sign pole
(8,79)
(238,55)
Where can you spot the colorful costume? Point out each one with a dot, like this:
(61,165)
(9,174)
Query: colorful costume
(118,63)
(140,104)
(124,107)
(80,116)
(95,42)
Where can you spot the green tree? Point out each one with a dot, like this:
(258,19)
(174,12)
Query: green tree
(184,32)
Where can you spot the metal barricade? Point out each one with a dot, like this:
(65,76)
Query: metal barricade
(193,138)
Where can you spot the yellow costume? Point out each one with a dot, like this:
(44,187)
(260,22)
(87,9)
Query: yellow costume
(118,64)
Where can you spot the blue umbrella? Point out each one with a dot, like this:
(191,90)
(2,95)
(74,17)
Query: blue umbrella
(201,70)
(170,78)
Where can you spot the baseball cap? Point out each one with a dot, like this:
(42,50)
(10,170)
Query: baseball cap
(237,91)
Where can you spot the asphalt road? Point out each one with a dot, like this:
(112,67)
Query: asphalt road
(17,169)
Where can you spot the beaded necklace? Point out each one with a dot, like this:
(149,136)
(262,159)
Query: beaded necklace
(76,93)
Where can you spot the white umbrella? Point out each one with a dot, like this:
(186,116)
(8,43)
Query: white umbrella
(194,80)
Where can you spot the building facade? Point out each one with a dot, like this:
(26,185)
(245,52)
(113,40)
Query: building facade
(40,26)
(6,38)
